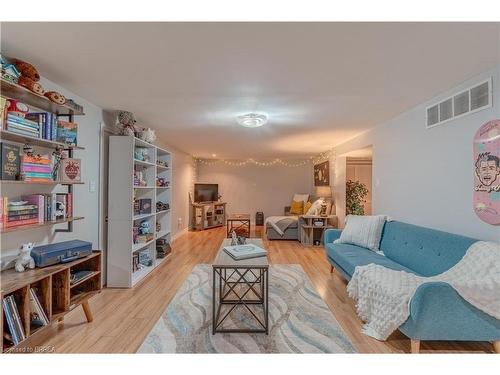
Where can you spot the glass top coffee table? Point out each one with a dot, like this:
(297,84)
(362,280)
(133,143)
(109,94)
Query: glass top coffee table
(240,295)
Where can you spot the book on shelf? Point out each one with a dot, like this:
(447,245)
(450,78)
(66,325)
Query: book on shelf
(14,322)
(47,122)
(38,318)
(247,251)
(67,132)
(3,111)
(10,161)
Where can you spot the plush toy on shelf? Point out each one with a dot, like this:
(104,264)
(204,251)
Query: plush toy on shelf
(55,97)
(125,121)
(24,258)
(148,135)
(29,76)
(9,71)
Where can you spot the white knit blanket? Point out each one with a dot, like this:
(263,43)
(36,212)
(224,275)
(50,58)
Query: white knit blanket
(383,295)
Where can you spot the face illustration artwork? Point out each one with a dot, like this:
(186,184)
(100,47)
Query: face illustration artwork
(487,168)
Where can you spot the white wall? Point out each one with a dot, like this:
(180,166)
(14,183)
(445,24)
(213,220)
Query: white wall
(184,175)
(250,188)
(86,203)
(425,176)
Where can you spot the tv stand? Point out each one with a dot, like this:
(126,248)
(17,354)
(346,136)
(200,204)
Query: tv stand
(206,215)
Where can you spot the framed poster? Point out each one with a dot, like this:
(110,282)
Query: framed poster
(487,172)
(322,174)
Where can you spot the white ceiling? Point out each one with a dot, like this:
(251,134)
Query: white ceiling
(319,83)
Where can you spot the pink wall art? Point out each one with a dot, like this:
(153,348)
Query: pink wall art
(487,172)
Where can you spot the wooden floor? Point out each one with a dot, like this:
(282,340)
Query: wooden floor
(123,317)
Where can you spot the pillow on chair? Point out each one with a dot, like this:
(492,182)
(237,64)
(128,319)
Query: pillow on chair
(364,231)
(307,206)
(297,207)
(315,207)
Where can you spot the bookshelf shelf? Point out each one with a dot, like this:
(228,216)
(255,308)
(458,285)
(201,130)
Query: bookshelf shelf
(6,135)
(40,225)
(139,246)
(145,163)
(14,91)
(53,183)
(121,218)
(90,276)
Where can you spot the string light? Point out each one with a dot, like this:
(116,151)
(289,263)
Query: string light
(323,156)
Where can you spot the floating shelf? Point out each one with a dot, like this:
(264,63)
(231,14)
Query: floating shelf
(163,212)
(6,135)
(15,91)
(39,225)
(162,167)
(15,182)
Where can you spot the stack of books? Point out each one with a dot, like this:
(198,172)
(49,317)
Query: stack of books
(35,209)
(38,318)
(47,122)
(18,213)
(23,126)
(36,169)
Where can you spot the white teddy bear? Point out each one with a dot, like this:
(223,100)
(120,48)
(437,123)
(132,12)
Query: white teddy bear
(24,258)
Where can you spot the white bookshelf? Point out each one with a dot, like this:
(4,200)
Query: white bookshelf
(121,218)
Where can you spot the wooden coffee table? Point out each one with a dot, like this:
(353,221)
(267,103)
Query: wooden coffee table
(240,283)
(240,223)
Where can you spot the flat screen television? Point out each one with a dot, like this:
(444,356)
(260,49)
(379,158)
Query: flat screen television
(206,192)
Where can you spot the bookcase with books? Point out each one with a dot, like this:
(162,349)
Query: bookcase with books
(37,175)
(139,214)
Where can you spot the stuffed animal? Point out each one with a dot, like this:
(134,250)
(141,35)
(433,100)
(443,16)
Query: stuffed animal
(24,258)
(17,108)
(144,227)
(148,135)
(55,97)
(31,85)
(26,69)
(126,122)
(28,149)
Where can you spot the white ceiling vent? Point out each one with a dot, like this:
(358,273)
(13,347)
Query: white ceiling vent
(473,99)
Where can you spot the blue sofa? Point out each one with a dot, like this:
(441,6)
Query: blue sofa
(437,312)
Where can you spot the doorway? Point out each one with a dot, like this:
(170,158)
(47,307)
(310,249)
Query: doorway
(359,166)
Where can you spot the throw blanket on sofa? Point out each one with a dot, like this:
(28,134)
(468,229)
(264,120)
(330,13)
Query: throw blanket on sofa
(383,295)
(281,223)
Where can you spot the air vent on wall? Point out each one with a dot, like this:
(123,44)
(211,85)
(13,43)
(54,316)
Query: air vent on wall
(473,99)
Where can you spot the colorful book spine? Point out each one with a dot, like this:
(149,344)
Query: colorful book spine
(22,120)
(9,317)
(38,174)
(17,319)
(36,168)
(17,223)
(20,131)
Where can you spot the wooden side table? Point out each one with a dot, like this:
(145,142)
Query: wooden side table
(309,231)
(240,223)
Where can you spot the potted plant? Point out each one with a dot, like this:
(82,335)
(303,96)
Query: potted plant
(355,197)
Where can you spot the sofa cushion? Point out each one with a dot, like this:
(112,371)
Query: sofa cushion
(349,256)
(427,251)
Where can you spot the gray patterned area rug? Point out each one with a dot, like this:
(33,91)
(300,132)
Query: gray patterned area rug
(300,321)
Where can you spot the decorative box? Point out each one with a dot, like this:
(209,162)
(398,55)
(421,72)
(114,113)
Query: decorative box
(70,170)
(61,252)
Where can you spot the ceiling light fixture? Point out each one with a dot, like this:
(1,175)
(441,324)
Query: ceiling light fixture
(252,120)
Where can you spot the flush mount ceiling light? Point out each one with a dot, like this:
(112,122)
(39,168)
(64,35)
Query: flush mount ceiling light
(252,120)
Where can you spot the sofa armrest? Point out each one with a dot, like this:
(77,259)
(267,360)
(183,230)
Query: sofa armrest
(438,312)
(331,235)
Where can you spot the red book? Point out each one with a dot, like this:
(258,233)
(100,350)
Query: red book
(18,223)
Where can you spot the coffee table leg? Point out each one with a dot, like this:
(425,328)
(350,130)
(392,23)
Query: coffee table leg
(266,273)
(213,301)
